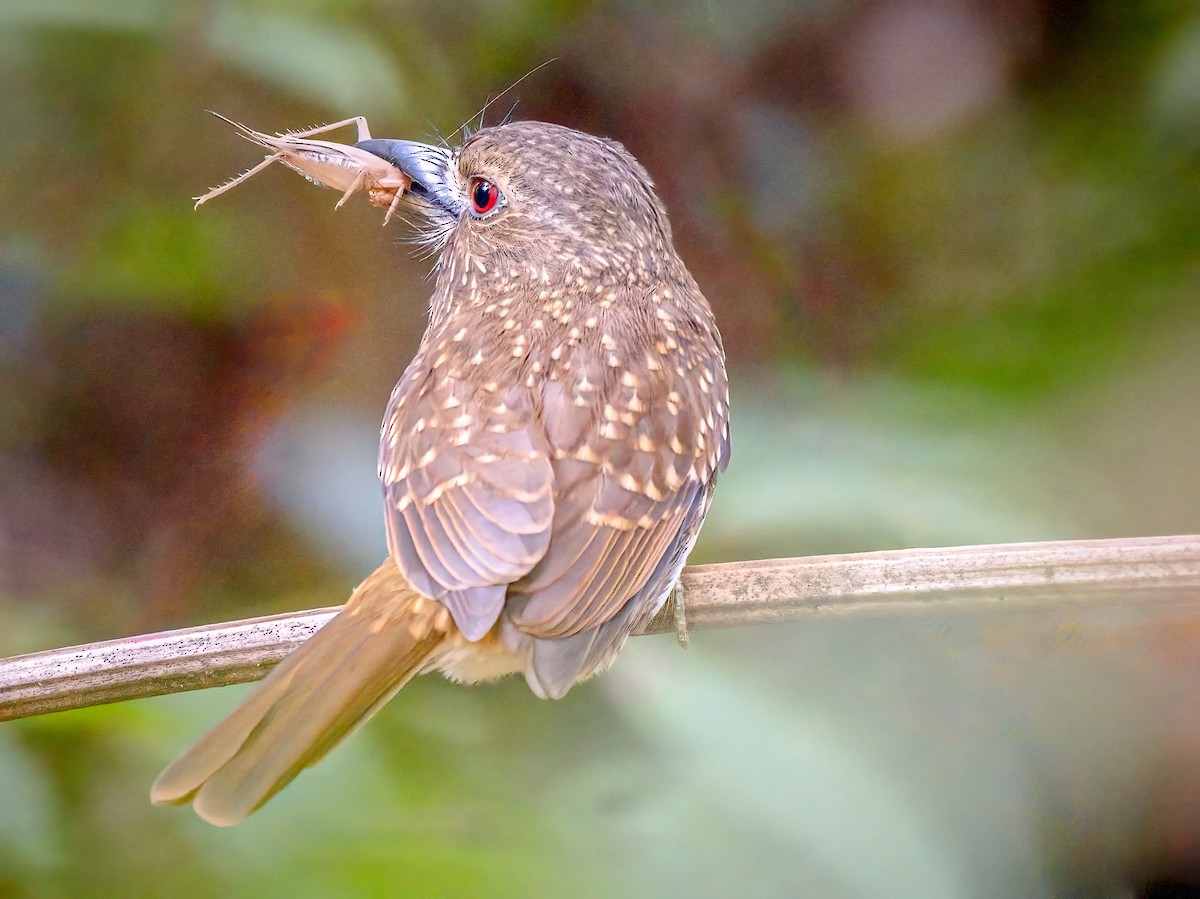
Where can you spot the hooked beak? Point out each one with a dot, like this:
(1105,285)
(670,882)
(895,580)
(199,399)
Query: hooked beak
(428,167)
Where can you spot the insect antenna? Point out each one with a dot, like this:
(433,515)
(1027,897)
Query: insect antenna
(483,110)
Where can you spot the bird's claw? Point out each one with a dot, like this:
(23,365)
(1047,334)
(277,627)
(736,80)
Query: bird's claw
(679,613)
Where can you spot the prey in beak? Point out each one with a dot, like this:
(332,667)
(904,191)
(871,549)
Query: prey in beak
(349,169)
(427,167)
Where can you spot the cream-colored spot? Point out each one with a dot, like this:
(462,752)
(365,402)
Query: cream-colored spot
(616,522)
(449,484)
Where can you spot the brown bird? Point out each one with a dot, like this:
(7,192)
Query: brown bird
(547,458)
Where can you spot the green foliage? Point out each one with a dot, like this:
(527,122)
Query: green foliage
(988,333)
(152,255)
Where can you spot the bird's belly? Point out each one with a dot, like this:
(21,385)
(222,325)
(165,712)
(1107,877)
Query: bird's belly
(470,663)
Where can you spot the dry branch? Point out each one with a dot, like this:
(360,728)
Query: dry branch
(1050,575)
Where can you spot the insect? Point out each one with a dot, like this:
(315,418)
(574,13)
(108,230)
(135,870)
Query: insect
(340,166)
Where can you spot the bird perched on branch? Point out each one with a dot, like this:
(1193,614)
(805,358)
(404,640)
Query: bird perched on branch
(547,459)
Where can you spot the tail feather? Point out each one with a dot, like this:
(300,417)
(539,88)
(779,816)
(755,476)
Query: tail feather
(311,701)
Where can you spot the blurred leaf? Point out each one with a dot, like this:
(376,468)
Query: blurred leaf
(334,65)
(835,465)
(119,15)
(29,827)
(780,783)
(1175,87)
(161,254)
(990,254)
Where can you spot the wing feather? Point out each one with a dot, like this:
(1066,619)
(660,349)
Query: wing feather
(552,500)
(468,486)
(629,464)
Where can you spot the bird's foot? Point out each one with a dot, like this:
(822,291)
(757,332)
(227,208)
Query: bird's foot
(679,613)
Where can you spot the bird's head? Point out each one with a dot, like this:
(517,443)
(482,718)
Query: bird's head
(543,199)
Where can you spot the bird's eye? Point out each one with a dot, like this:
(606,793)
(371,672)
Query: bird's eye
(485,196)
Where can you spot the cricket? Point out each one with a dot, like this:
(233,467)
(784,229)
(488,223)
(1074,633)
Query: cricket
(329,164)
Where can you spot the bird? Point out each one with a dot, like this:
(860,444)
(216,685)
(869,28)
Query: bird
(547,458)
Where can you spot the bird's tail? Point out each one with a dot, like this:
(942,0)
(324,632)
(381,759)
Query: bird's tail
(315,697)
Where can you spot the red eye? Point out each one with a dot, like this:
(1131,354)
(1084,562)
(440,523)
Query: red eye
(484,196)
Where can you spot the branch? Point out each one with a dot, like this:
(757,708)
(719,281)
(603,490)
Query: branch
(1148,570)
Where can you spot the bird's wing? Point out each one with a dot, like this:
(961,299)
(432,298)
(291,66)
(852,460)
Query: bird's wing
(553,666)
(467,486)
(634,446)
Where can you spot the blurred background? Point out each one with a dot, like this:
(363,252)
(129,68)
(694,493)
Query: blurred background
(953,249)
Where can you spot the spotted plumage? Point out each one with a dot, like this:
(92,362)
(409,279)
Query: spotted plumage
(548,456)
(558,434)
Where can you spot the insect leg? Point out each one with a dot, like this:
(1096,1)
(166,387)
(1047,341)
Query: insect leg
(356,185)
(217,191)
(360,123)
(395,204)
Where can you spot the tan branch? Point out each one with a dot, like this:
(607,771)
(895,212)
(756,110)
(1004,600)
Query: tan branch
(1051,575)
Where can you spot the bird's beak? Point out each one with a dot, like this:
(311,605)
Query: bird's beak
(428,167)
